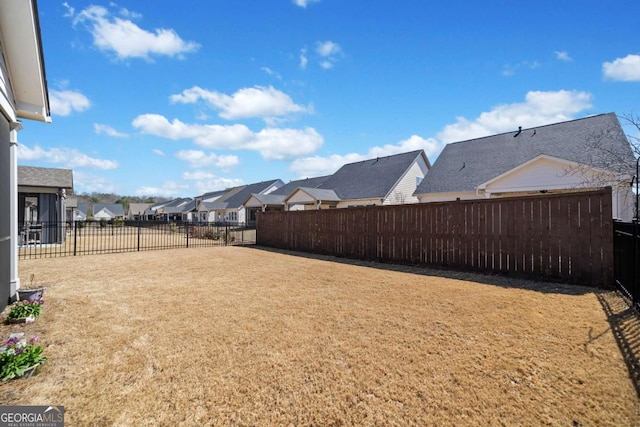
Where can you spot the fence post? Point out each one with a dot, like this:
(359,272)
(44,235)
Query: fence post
(75,236)
(636,276)
(139,227)
(226,233)
(187,228)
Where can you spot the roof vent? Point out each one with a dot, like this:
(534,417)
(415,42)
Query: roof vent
(519,131)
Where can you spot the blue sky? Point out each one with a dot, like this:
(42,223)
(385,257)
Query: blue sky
(169,98)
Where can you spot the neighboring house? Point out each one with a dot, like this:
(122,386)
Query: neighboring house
(174,210)
(108,211)
(581,154)
(387,180)
(81,212)
(42,194)
(274,201)
(137,211)
(229,207)
(23,95)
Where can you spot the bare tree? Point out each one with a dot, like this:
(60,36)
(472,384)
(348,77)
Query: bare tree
(608,155)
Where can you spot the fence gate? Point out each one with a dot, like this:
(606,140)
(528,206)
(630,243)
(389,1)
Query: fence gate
(626,243)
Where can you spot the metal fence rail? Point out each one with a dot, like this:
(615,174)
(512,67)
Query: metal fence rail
(626,242)
(55,239)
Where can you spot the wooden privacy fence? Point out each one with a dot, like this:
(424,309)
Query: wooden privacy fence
(566,237)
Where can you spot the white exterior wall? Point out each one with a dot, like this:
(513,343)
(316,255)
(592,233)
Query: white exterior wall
(403,191)
(543,173)
(253,203)
(448,197)
(550,174)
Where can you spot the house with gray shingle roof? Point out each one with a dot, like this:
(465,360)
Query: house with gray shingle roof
(380,181)
(137,211)
(587,153)
(108,211)
(42,195)
(230,206)
(274,201)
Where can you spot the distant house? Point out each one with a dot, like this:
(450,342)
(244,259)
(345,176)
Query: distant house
(205,207)
(381,181)
(137,211)
(274,201)
(81,212)
(175,210)
(42,194)
(108,211)
(569,156)
(229,206)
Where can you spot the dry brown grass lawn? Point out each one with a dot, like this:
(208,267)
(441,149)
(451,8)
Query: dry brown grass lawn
(243,336)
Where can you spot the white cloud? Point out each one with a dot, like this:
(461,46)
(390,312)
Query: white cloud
(108,130)
(68,157)
(84,182)
(303,58)
(168,189)
(271,143)
(70,10)
(257,101)
(158,152)
(563,56)
(199,159)
(510,69)
(539,108)
(304,3)
(214,184)
(318,166)
(271,72)
(625,69)
(197,175)
(63,102)
(127,40)
(329,53)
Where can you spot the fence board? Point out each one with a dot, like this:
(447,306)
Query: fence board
(560,236)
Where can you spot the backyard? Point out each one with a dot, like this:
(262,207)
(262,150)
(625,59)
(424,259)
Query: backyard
(248,336)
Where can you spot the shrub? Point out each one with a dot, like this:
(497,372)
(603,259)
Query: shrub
(103,222)
(118,222)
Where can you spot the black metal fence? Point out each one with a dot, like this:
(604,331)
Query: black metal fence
(626,247)
(47,240)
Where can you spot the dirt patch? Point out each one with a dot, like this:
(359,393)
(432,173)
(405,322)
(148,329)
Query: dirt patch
(242,336)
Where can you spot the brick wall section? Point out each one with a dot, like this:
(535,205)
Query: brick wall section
(567,237)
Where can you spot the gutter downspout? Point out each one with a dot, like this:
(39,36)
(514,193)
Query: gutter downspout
(14,279)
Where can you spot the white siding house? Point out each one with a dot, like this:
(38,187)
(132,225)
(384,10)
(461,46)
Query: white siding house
(380,181)
(571,156)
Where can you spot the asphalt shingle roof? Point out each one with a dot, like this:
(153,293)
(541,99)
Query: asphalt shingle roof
(369,179)
(290,186)
(463,166)
(236,200)
(115,208)
(45,177)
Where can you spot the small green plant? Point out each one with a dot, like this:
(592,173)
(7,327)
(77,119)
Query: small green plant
(118,222)
(173,227)
(19,355)
(103,222)
(27,309)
